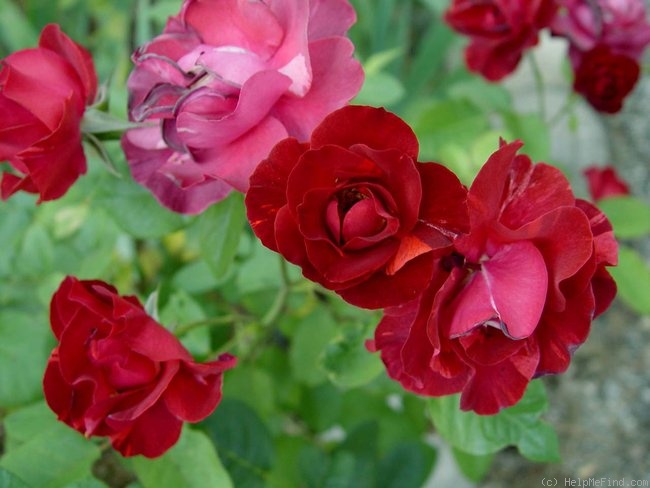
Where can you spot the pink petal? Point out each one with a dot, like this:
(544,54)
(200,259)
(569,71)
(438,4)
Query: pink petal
(147,154)
(250,25)
(257,97)
(235,162)
(329,18)
(511,288)
(336,78)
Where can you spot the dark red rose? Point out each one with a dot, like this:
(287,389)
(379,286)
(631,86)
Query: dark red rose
(605,182)
(499,30)
(43,95)
(605,78)
(355,209)
(118,373)
(514,299)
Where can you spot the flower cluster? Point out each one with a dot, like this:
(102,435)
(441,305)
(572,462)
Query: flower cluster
(483,290)
(606,40)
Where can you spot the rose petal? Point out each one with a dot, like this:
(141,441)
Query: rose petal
(511,287)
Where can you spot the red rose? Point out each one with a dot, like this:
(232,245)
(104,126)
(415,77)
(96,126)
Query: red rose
(499,30)
(605,182)
(118,373)
(43,95)
(605,78)
(355,209)
(514,299)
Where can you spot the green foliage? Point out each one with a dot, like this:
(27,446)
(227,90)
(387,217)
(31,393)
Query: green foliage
(191,463)
(24,349)
(63,455)
(243,442)
(629,216)
(632,277)
(519,425)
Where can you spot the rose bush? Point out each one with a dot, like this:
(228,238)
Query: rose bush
(515,297)
(44,92)
(226,81)
(605,78)
(500,31)
(605,182)
(355,210)
(118,373)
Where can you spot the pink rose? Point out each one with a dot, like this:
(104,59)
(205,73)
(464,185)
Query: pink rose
(43,95)
(621,25)
(514,299)
(227,80)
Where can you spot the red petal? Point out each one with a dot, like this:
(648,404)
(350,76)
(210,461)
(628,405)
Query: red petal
(196,390)
(54,39)
(381,290)
(268,188)
(492,388)
(150,435)
(374,127)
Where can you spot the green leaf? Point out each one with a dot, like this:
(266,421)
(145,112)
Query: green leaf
(87,483)
(348,362)
(320,406)
(532,131)
(317,470)
(24,349)
(243,442)
(16,32)
(519,425)
(191,463)
(473,466)
(380,89)
(406,465)
(629,216)
(219,229)
(36,255)
(311,338)
(445,122)
(9,480)
(487,96)
(63,455)
(632,277)
(253,386)
(135,210)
